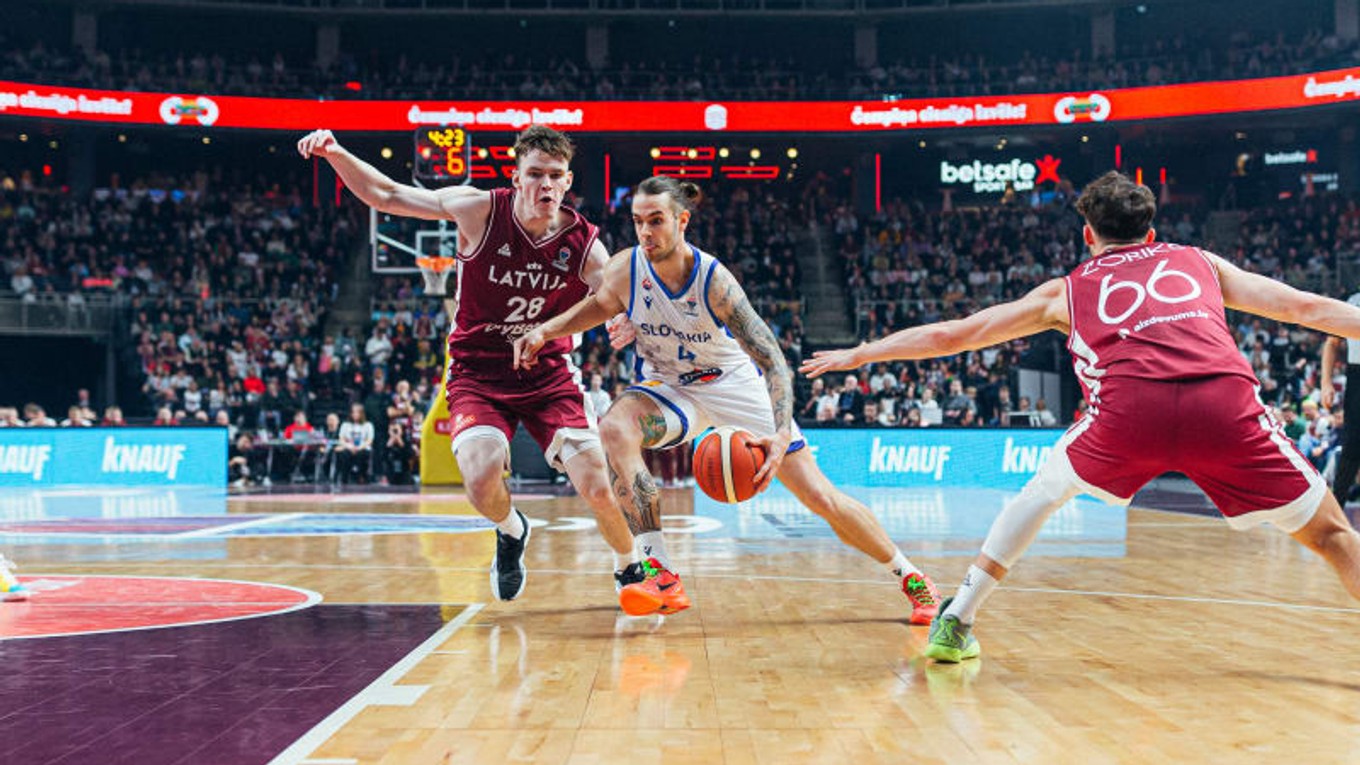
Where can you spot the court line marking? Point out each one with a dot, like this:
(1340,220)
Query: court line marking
(381,691)
(209,531)
(744,577)
(312,598)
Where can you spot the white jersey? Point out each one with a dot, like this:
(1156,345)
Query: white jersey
(680,341)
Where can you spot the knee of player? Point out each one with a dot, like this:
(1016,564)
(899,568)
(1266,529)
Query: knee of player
(480,470)
(598,494)
(618,433)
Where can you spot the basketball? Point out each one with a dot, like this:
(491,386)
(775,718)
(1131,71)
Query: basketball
(726,461)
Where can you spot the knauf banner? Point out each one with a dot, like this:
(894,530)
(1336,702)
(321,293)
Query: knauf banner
(924,457)
(45,457)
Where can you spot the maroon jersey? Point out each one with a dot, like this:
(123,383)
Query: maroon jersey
(1150,312)
(508,284)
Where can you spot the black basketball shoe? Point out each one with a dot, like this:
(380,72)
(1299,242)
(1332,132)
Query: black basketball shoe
(507,568)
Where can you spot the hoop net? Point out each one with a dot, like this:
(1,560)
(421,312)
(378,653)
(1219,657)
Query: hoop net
(436,271)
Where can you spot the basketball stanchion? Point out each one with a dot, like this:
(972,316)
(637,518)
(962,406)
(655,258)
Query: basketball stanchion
(437,465)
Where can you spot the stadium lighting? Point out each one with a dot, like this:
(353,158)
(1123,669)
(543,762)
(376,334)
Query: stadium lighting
(655,152)
(793,153)
(386,152)
(723,152)
(23,137)
(755,153)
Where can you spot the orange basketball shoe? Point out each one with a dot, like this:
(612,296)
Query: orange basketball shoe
(925,599)
(659,593)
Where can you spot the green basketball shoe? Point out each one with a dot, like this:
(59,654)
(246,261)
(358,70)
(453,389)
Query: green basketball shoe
(951,641)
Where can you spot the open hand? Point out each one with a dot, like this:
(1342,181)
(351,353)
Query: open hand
(776,447)
(839,360)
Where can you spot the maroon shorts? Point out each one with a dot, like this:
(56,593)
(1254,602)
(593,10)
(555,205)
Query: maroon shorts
(1216,431)
(554,412)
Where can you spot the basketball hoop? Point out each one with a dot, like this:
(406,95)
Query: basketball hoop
(436,271)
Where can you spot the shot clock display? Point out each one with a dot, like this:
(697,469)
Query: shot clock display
(443,156)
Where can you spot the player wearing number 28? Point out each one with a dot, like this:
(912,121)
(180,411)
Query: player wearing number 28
(523,258)
(1167,389)
(703,351)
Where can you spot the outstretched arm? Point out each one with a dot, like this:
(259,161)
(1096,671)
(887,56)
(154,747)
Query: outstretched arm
(1263,296)
(592,311)
(1044,308)
(732,308)
(464,204)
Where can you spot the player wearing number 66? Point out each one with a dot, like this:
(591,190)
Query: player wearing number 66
(523,257)
(1167,389)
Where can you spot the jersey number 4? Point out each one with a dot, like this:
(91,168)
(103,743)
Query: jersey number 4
(1142,292)
(684,355)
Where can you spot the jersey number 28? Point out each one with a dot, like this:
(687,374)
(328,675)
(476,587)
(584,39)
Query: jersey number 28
(521,309)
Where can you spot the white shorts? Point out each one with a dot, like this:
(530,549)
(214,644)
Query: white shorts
(739,402)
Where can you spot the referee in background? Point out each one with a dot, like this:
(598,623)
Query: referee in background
(1349,461)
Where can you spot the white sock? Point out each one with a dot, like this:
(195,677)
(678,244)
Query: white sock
(651,545)
(976,587)
(901,567)
(512,526)
(624,560)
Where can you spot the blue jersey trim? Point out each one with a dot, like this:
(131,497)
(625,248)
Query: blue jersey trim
(693,274)
(684,421)
(632,280)
(798,445)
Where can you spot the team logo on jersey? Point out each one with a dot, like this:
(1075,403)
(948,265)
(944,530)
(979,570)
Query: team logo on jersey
(690,307)
(504,251)
(647,300)
(563,261)
(700,376)
(646,283)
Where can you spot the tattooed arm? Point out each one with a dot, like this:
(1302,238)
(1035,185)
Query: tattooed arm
(731,306)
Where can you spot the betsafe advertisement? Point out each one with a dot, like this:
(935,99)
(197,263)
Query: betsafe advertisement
(44,457)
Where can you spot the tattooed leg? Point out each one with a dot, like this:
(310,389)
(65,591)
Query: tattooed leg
(632,424)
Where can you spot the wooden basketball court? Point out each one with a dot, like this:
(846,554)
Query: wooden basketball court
(1182,641)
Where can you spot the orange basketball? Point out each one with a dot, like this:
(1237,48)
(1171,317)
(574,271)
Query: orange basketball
(726,461)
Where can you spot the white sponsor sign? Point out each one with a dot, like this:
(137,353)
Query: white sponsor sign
(986,177)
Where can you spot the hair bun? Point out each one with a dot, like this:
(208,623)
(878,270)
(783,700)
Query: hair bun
(693,194)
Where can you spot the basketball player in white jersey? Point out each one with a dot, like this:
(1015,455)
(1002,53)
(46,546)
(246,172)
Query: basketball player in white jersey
(703,352)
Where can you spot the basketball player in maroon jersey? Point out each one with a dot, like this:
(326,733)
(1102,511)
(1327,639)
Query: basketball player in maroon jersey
(1167,390)
(523,257)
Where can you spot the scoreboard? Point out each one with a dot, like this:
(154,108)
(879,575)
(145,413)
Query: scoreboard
(443,156)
